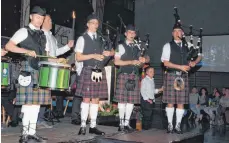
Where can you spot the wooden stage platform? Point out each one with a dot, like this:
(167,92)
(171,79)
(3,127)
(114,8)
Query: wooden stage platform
(65,132)
(154,136)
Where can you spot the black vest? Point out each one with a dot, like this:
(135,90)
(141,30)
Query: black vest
(35,41)
(131,53)
(92,47)
(178,55)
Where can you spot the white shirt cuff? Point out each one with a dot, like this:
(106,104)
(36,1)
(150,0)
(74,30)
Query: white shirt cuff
(156,91)
(145,98)
(62,50)
(200,54)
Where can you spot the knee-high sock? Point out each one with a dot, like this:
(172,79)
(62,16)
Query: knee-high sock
(179,115)
(25,109)
(129,109)
(93,113)
(169,112)
(84,113)
(121,109)
(34,111)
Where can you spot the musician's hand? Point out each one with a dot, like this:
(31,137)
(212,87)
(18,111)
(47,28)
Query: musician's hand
(62,60)
(142,59)
(107,53)
(31,53)
(70,43)
(161,89)
(150,101)
(98,57)
(3,52)
(135,62)
(112,52)
(192,64)
(185,68)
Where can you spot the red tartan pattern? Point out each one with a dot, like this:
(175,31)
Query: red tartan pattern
(124,96)
(89,89)
(172,96)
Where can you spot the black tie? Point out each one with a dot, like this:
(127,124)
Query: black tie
(39,32)
(93,37)
(179,44)
(131,45)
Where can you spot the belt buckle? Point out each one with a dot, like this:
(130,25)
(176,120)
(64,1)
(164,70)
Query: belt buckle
(178,72)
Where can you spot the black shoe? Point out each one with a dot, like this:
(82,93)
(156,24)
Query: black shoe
(37,138)
(178,129)
(128,128)
(146,126)
(170,128)
(121,129)
(82,131)
(76,122)
(13,124)
(96,131)
(60,115)
(23,139)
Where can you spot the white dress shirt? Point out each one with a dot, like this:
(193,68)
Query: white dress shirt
(22,34)
(166,51)
(148,88)
(121,50)
(79,48)
(80,42)
(51,45)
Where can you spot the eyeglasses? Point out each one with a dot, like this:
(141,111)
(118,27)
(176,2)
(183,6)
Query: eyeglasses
(93,22)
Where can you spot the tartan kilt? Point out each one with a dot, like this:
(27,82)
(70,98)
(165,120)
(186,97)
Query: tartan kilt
(29,95)
(121,93)
(89,89)
(172,96)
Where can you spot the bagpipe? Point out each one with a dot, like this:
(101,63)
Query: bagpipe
(193,50)
(106,45)
(143,46)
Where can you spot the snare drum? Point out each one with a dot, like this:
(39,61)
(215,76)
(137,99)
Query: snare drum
(54,75)
(5,73)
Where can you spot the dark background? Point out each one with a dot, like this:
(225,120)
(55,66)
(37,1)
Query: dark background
(156,18)
(10,16)
(61,13)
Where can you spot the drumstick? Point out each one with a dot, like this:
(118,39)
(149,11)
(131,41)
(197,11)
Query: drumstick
(42,56)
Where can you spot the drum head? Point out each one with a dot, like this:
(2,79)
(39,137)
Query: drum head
(54,64)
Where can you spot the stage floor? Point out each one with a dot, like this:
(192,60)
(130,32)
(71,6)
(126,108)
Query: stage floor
(67,133)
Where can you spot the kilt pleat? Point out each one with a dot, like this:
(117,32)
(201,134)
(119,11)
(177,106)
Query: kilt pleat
(89,89)
(30,95)
(121,93)
(172,96)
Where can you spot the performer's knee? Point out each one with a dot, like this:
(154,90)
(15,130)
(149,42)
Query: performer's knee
(180,106)
(169,105)
(86,100)
(95,100)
